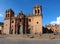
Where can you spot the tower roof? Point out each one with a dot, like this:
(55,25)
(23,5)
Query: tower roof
(37,6)
(10,10)
(21,13)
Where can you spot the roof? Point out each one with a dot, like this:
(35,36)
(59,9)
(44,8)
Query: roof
(37,6)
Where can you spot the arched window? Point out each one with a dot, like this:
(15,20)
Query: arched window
(35,11)
(38,11)
(8,15)
(20,19)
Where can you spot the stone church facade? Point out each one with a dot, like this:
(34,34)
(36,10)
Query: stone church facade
(23,24)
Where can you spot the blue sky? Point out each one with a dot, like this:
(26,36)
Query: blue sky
(50,8)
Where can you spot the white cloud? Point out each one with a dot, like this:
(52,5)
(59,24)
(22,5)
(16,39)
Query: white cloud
(1,15)
(56,22)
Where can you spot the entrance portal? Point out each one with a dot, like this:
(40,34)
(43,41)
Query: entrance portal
(20,30)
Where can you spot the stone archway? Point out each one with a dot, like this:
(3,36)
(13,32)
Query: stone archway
(20,29)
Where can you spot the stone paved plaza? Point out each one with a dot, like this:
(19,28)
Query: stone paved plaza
(27,41)
(23,39)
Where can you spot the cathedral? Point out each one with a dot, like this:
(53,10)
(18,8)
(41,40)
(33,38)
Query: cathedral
(23,24)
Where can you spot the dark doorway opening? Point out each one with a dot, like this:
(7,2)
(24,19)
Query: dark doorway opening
(20,30)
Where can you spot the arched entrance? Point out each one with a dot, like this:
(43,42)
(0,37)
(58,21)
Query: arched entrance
(20,29)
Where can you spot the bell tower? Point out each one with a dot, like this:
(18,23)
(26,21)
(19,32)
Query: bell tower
(37,10)
(7,21)
(9,13)
(37,19)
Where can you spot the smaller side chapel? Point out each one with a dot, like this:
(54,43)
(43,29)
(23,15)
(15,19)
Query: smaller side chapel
(23,24)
